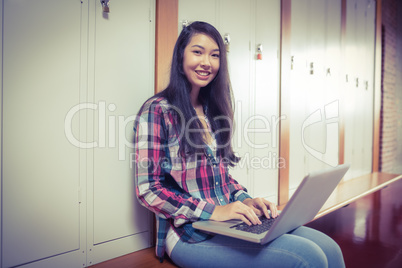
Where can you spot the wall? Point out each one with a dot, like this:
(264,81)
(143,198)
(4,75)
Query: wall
(391,112)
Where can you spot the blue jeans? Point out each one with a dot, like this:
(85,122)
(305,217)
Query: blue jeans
(303,247)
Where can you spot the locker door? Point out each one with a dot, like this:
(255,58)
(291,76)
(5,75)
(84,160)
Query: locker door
(298,90)
(121,79)
(314,127)
(358,119)
(323,100)
(350,95)
(332,78)
(368,86)
(359,130)
(190,10)
(41,169)
(254,83)
(224,14)
(315,52)
(239,58)
(265,104)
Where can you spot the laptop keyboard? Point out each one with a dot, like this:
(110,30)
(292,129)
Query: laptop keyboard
(256,229)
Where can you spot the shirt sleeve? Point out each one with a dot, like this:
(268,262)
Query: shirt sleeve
(238,192)
(151,143)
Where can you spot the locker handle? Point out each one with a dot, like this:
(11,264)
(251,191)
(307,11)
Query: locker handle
(292,60)
(105,5)
(185,23)
(226,41)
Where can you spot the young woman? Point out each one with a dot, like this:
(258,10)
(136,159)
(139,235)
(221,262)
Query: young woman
(183,153)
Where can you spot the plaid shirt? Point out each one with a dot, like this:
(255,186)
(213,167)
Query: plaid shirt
(178,190)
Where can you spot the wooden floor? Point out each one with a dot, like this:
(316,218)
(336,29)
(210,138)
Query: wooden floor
(369,232)
(141,259)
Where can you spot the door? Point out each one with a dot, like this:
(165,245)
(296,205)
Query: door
(255,84)
(41,171)
(120,80)
(73,79)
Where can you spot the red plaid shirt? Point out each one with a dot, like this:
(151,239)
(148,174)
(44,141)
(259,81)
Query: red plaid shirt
(178,190)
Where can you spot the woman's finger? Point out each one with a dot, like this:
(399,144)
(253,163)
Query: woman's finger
(249,214)
(253,216)
(262,205)
(244,219)
(272,207)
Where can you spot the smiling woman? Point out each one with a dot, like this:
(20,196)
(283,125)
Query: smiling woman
(189,126)
(199,90)
(201,64)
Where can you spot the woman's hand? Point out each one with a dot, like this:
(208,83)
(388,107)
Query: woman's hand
(261,206)
(236,210)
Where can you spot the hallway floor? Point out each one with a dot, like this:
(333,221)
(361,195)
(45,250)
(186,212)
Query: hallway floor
(369,232)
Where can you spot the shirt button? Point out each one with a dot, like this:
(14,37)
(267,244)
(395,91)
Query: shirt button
(221,199)
(217,183)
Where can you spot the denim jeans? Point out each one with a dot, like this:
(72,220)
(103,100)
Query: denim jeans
(303,247)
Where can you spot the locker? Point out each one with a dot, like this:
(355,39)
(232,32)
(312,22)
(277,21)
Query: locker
(255,84)
(73,79)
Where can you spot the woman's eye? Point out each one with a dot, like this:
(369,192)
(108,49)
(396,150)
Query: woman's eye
(197,52)
(215,55)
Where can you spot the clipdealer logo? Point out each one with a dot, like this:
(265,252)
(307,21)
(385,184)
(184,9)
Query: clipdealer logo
(329,115)
(106,125)
(115,127)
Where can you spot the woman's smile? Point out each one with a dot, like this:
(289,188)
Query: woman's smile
(203,75)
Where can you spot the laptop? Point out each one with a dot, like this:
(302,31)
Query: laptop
(302,207)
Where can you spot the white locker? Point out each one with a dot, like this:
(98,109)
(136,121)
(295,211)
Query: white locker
(41,172)
(190,10)
(314,115)
(360,33)
(120,80)
(298,95)
(254,82)
(265,104)
(240,60)
(332,100)
(368,86)
(314,126)
(358,72)
(73,79)
(350,87)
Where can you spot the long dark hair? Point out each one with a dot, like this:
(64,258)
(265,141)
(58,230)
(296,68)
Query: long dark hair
(217,95)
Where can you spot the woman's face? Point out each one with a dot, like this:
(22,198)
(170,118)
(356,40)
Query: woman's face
(201,60)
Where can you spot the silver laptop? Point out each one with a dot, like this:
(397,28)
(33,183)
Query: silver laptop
(303,206)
